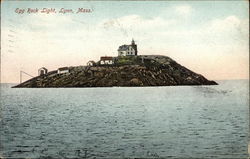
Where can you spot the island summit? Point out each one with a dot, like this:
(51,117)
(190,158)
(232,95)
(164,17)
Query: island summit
(125,70)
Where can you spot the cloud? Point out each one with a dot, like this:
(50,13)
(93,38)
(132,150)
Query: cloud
(227,24)
(183,10)
(230,30)
(136,22)
(224,31)
(136,25)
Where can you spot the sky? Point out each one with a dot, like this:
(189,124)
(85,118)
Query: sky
(208,37)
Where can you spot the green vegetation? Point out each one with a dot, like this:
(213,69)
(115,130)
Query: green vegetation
(127,60)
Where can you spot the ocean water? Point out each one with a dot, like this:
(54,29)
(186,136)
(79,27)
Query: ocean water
(123,122)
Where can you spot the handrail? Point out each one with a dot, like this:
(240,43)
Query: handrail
(22,76)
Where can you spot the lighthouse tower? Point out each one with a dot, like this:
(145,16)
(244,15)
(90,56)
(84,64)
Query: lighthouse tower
(134,46)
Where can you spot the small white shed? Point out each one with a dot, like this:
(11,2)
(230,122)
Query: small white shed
(63,70)
(42,71)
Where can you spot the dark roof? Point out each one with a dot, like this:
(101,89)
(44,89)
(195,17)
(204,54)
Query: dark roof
(63,68)
(43,68)
(123,47)
(91,61)
(106,58)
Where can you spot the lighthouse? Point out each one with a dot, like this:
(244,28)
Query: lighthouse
(128,50)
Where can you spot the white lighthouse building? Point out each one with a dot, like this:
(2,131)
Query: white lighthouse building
(128,50)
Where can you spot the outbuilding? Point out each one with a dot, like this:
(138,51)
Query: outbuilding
(91,63)
(63,70)
(42,71)
(106,60)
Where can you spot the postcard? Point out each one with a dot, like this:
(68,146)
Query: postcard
(124,79)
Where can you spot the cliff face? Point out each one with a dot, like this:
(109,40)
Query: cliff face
(128,71)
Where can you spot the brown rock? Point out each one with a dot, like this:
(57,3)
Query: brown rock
(135,82)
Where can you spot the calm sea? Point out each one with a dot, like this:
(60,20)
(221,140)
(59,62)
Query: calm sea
(123,122)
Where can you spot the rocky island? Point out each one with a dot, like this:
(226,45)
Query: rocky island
(124,71)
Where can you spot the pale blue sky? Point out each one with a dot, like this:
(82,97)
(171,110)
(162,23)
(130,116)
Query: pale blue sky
(205,10)
(202,35)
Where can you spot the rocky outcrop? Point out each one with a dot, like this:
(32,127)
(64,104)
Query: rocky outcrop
(149,70)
